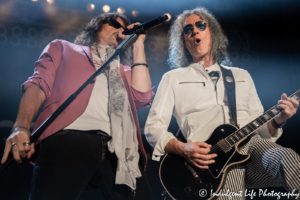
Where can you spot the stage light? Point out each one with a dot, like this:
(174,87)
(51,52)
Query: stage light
(106,8)
(121,10)
(50,1)
(91,7)
(34,0)
(169,17)
(135,13)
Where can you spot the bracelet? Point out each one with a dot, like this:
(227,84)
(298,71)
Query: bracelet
(17,127)
(145,64)
(275,125)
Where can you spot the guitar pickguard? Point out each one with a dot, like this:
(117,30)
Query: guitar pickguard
(216,169)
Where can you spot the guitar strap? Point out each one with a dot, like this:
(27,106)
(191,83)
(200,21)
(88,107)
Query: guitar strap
(230,92)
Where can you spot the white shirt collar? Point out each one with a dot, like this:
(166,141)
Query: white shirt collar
(214,67)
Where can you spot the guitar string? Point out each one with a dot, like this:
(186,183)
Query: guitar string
(218,149)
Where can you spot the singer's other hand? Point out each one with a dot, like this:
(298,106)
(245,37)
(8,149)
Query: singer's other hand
(18,143)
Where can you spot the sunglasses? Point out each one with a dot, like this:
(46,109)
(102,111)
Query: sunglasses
(114,23)
(187,29)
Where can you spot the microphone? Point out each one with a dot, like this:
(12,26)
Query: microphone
(147,25)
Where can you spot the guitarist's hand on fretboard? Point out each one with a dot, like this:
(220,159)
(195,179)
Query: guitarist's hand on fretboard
(289,107)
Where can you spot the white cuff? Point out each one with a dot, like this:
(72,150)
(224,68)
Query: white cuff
(265,133)
(159,149)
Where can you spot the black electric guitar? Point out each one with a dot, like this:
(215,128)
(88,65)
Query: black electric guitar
(183,181)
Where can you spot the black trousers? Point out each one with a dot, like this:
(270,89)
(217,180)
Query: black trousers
(70,160)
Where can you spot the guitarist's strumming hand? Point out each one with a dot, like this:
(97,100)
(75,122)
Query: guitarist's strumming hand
(194,152)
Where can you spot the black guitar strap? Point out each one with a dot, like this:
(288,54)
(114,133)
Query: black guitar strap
(230,92)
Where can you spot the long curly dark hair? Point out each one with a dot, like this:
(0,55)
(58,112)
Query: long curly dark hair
(179,56)
(88,34)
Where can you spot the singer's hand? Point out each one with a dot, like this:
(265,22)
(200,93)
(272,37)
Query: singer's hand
(142,37)
(122,37)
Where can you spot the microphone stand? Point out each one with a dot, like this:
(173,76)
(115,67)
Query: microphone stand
(38,132)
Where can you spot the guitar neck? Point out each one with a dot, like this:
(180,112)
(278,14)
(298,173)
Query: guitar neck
(253,126)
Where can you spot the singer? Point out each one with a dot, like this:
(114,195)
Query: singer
(96,142)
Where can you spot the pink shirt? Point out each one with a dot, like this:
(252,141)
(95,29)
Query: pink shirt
(61,69)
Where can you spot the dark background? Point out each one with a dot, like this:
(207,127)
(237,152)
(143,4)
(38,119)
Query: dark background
(264,39)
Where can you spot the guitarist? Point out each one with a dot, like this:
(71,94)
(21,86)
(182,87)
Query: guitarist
(194,93)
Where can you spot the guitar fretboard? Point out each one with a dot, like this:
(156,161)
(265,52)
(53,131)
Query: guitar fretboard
(250,128)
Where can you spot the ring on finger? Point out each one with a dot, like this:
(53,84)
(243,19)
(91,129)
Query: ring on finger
(27,143)
(13,145)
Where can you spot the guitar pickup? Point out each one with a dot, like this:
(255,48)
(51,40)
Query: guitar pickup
(224,145)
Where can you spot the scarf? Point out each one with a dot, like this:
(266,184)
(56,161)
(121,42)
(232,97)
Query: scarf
(124,141)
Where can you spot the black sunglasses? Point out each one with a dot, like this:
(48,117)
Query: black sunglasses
(187,29)
(114,23)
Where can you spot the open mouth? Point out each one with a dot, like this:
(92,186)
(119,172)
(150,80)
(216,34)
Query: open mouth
(197,41)
(119,40)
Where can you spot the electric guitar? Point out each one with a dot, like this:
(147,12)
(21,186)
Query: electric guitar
(184,181)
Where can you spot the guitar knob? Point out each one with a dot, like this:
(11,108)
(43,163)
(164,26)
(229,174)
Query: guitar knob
(197,194)
(187,189)
(222,130)
(209,186)
(198,181)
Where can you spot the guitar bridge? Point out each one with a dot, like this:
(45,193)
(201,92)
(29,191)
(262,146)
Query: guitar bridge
(224,145)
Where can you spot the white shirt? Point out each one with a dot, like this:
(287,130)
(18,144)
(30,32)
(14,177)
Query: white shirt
(95,116)
(190,95)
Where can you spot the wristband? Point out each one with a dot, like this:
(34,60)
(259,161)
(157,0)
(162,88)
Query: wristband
(145,64)
(17,127)
(275,125)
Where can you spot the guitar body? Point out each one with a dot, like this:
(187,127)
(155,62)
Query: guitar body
(184,181)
